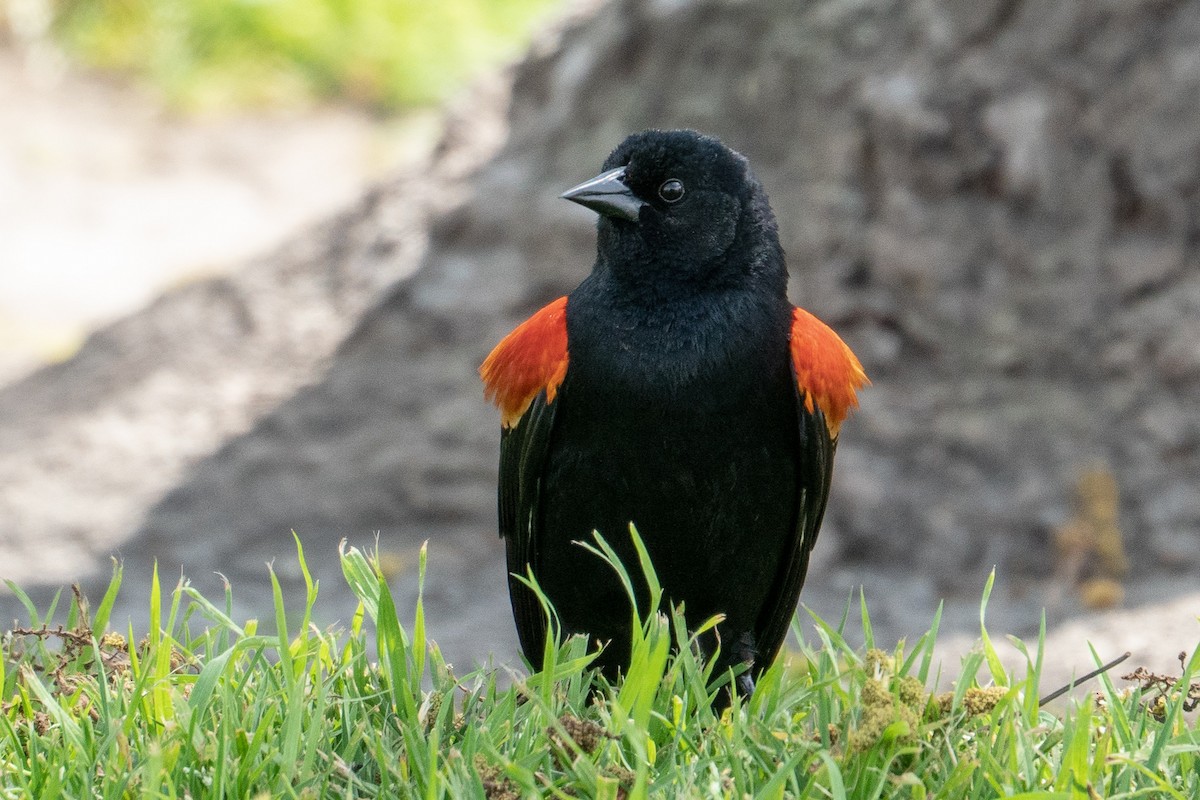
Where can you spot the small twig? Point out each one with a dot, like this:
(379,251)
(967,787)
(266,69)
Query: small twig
(1060,692)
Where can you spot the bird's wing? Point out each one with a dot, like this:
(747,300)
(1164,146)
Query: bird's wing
(826,376)
(523,450)
(814,469)
(522,376)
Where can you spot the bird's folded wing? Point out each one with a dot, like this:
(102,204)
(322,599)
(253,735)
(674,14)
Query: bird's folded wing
(522,376)
(827,377)
(523,450)
(815,448)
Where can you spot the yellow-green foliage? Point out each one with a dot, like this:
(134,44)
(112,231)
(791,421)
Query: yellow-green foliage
(979,700)
(383,53)
(892,705)
(884,716)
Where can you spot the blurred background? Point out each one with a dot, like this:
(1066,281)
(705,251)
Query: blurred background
(252,252)
(152,142)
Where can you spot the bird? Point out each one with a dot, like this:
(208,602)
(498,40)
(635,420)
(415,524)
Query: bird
(677,389)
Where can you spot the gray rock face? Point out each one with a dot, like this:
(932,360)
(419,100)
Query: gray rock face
(994,204)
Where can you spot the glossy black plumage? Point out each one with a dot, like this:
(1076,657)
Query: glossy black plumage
(679,412)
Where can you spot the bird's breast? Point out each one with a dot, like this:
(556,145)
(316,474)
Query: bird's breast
(686,427)
(691,356)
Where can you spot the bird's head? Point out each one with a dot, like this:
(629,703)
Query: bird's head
(682,206)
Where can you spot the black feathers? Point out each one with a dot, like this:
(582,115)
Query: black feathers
(679,412)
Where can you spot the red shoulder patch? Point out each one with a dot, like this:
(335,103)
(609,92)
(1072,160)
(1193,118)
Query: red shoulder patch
(531,358)
(827,372)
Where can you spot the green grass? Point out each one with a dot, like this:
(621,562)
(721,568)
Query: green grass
(386,54)
(204,706)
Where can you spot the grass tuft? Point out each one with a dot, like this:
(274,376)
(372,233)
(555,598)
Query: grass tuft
(204,706)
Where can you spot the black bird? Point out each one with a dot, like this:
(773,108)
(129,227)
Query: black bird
(676,388)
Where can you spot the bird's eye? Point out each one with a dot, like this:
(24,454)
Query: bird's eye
(671,191)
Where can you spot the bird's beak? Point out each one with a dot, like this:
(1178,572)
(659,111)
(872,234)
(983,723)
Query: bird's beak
(607,194)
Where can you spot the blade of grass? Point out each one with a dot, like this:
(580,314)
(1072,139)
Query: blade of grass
(995,666)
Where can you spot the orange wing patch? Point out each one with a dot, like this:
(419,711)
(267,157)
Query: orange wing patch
(827,372)
(531,358)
